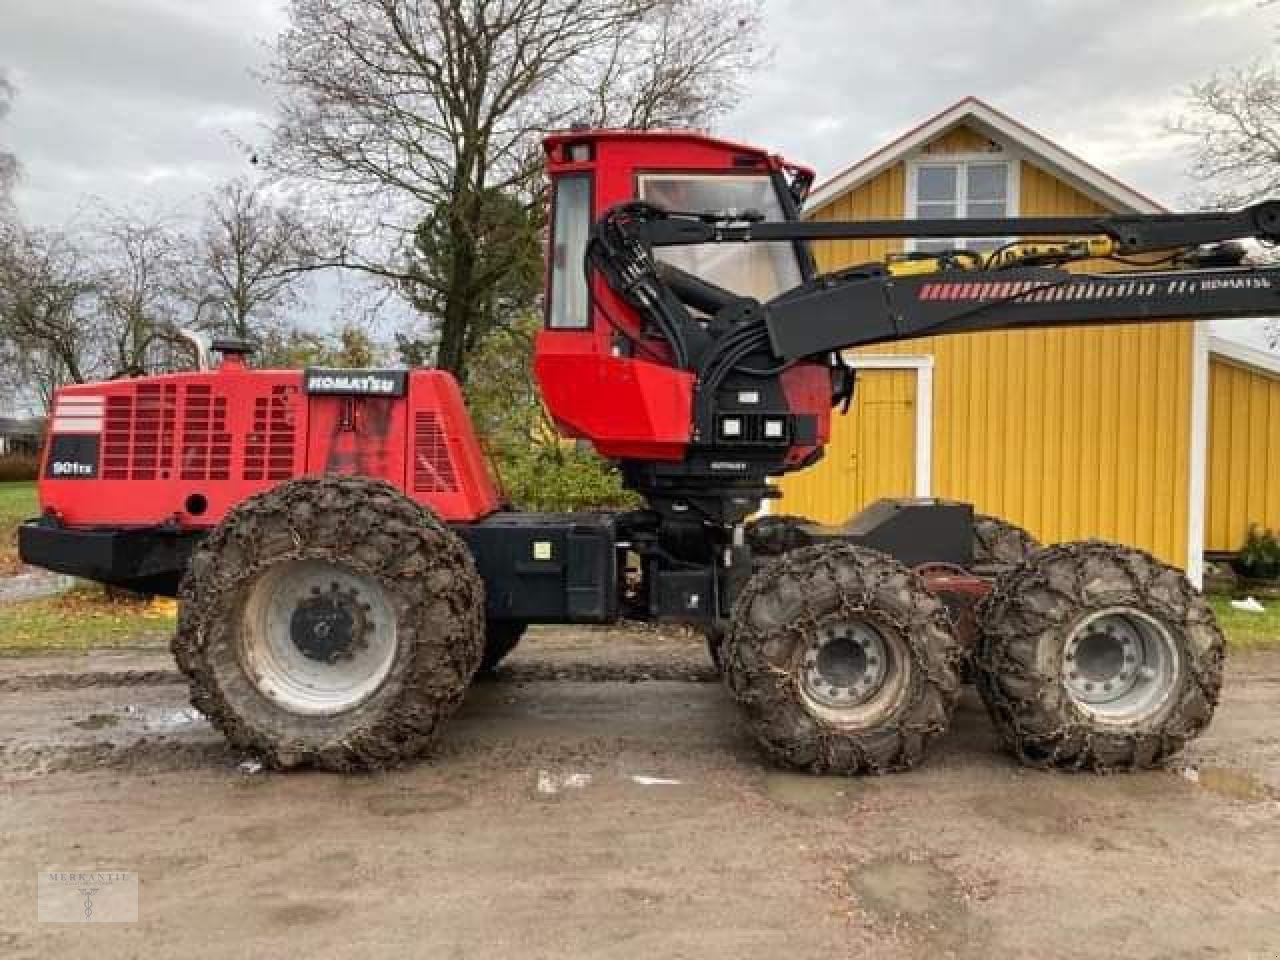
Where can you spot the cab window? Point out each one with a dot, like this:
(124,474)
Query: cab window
(567,302)
(759,270)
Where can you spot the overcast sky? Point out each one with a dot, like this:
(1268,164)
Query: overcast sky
(136,101)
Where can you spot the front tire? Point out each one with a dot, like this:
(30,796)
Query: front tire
(1098,656)
(842,661)
(330,622)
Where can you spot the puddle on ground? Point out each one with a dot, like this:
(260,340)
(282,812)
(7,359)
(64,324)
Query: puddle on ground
(1031,811)
(96,721)
(162,719)
(1234,784)
(915,892)
(805,793)
(408,804)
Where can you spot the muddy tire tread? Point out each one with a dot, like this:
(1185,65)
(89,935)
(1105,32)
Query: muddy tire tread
(997,542)
(370,526)
(774,534)
(1027,614)
(803,589)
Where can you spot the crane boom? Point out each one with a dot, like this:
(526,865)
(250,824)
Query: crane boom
(1131,233)
(872,303)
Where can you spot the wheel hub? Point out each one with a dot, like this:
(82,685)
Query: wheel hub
(1120,664)
(845,665)
(317,638)
(329,626)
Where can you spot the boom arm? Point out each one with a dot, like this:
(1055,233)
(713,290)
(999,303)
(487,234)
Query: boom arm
(869,304)
(876,309)
(1131,234)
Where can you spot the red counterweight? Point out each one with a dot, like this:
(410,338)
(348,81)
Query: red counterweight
(186,448)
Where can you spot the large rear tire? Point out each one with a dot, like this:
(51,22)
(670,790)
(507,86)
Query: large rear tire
(842,661)
(1098,656)
(330,622)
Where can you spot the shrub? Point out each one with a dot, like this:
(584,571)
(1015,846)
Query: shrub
(537,468)
(18,466)
(550,479)
(1259,558)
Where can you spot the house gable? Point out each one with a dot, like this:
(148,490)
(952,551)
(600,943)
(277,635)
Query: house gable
(887,194)
(980,122)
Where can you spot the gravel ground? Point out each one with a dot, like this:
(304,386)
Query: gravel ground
(598,799)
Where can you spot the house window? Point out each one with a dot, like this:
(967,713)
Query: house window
(960,189)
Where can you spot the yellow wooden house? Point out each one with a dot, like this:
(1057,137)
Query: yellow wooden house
(1161,436)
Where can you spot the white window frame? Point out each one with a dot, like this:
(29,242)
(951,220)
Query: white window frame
(962,161)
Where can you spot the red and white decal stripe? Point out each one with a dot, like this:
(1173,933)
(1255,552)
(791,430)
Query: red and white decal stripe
(78,414)
(977,291)
(1030,291)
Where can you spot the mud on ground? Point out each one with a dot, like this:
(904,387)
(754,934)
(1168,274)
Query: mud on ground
(598,799)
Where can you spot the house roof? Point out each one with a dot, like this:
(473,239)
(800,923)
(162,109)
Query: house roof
(1263,361)
(1085,177)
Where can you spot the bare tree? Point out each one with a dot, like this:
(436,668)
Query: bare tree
(47,293)
(1233,120)
(289,348)
(139,300)
(428,110)
(245,259)
(679,64)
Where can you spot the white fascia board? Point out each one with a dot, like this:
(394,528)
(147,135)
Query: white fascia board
(1264,361)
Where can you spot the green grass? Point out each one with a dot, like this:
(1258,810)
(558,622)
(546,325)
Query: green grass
(17,503)
(1248,631)
(80,620)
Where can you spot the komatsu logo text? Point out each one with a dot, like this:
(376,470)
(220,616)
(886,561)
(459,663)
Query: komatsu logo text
(1235,283)
(366,383)
(352,384)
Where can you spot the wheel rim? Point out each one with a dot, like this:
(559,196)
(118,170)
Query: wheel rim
(1120,664)
(852,671)
(317,638)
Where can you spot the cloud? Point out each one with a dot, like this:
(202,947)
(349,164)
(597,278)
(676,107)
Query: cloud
(136,100)
(1100,78)
(131,100)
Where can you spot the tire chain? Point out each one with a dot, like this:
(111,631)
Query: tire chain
(998,542)
(414,545)
(1042,726)
(774,534)
(767,690)
(998,545)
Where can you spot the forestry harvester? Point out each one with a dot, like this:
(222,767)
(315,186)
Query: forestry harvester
(345,563)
